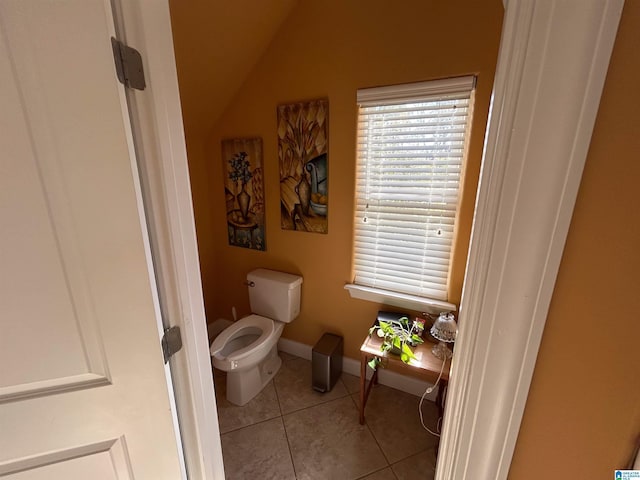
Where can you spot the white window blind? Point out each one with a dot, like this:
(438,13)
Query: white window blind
(411,148)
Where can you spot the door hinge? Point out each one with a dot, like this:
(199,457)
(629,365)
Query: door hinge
(128,65)
(171,342)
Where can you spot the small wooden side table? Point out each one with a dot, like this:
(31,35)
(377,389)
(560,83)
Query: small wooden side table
(425,363)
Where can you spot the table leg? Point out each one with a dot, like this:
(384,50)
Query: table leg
(440,397)
(363,381)
(365,388)
(373,381)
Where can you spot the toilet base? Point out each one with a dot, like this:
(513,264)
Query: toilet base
(243,386)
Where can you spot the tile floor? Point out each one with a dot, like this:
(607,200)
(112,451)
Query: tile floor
(289,431)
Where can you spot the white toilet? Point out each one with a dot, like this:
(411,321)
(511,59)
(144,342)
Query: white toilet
(247,350)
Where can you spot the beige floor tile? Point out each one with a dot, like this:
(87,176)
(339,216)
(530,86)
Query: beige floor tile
(293,385)
(351,382)
(417,467)
(386,474)
(257,452)
(286,357)
(327,442)
(393,418)
(231,417)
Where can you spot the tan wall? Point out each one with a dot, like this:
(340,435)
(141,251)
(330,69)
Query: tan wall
(216,45)
(583,411)
(330,49)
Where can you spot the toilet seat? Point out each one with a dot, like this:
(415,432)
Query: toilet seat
(236,359)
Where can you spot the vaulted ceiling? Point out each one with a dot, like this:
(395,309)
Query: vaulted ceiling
(217,43)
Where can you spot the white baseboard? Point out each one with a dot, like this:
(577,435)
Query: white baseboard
(395,380)
(295,348)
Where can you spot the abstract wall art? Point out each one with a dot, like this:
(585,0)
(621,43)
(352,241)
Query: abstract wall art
(244,192)
(303,132)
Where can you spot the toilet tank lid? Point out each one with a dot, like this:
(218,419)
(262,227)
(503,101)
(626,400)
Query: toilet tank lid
(274,276)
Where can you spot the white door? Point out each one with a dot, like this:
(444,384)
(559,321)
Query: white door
(83,391)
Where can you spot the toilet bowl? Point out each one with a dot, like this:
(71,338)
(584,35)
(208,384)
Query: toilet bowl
(247,350)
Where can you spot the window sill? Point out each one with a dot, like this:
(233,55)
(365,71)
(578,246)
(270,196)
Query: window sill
(401,300)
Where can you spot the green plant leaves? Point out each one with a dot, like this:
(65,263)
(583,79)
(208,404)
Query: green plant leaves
(373,363)
(398,335)
(385,327)
(406,350)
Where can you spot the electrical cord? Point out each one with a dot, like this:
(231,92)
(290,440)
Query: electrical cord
(427,392)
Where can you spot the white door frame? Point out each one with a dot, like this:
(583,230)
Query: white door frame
(551,69)
(159,137)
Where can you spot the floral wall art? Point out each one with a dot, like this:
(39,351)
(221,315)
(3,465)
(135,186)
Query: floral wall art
(302,152)
(244,192)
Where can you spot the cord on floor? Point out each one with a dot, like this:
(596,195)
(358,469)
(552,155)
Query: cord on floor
(427,392)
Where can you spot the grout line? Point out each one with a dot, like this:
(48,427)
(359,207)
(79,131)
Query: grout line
(316,405)
(323,401)
(251,425)
(275,388)
(355,401)
(376,471)
(286,436)
(377,443)
(284,427)
(426,451)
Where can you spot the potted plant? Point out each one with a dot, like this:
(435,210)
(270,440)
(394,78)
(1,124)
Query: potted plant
(398,336)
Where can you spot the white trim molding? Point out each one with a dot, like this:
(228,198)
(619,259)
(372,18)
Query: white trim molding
(404,383)
(161,152)
(551,69)
(400,300)
(408,92)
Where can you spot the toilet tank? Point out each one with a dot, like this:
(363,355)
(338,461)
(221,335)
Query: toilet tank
(275,295)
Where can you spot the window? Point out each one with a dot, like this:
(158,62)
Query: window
(411,149)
